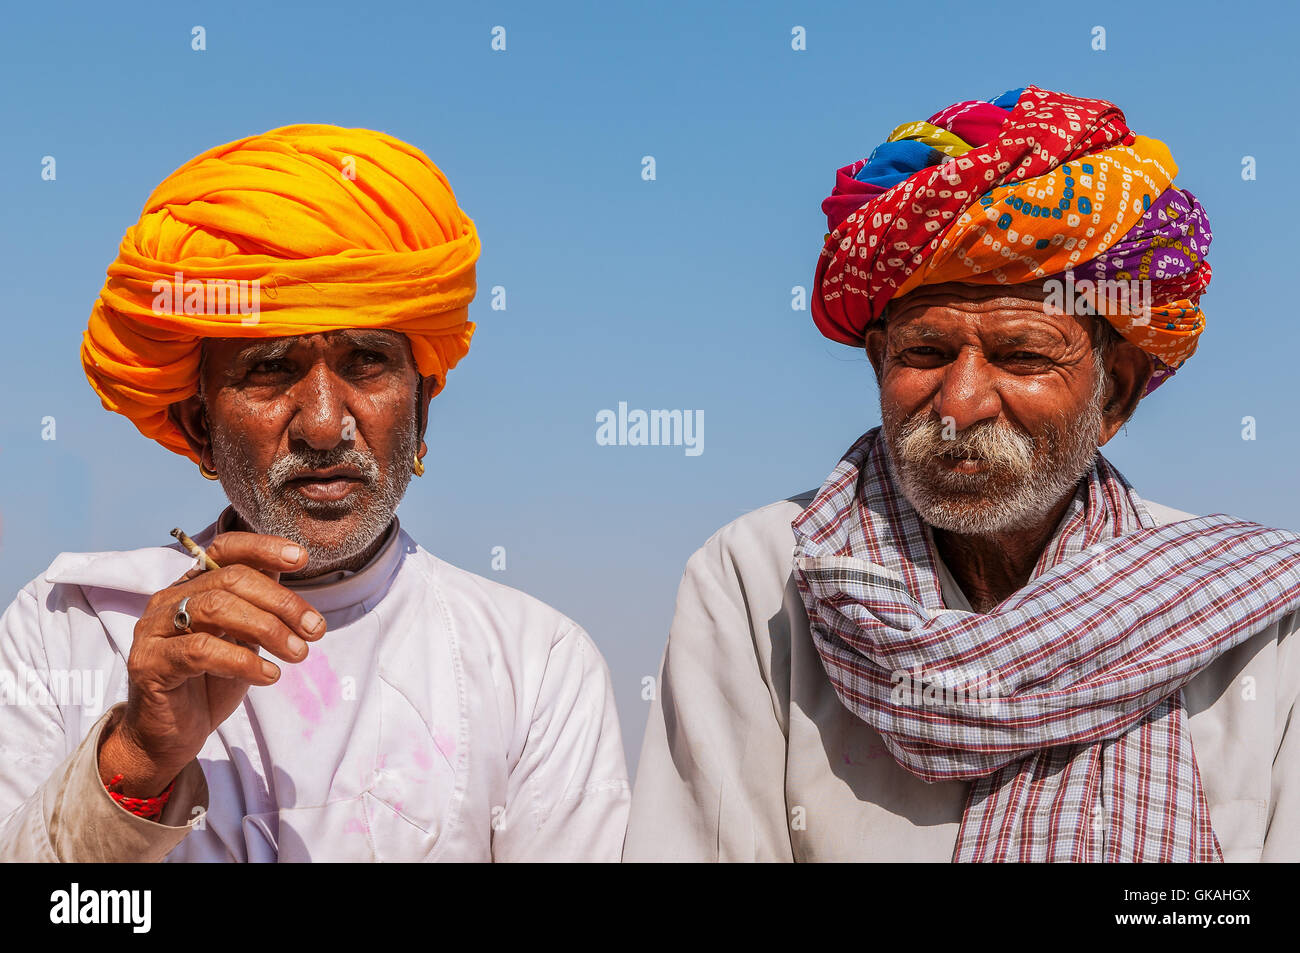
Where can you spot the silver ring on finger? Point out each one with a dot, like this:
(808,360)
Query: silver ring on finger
(181,620)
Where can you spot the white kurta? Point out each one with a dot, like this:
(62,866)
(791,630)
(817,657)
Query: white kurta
(442,717)
(750,755)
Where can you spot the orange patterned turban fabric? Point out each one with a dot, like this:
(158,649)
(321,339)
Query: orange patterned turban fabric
(300,230)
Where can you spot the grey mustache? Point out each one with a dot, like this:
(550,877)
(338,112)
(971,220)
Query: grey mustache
(1000,445)
(294,463)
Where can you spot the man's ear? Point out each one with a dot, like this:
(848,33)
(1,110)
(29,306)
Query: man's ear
(189,416)
(875,347)
(422,399)
(1128,369)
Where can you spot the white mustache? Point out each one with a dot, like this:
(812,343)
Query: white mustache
(1004,448)
(295,462)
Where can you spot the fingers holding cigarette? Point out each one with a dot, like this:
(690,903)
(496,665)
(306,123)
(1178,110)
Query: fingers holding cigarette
(189,671)
(241,599)
(195,549)
(271,555)
(239,613)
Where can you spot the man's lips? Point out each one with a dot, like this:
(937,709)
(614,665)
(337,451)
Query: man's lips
(327,485)
(962,463)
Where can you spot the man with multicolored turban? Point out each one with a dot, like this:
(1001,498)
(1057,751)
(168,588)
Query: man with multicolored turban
(318,686)
(977,642)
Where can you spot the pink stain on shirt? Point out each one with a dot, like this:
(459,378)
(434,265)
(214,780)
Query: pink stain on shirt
(423,760)
(317,669)
(446,744)
(311,685)
(294,684)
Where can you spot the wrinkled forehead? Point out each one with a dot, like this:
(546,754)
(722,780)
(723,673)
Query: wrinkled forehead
(1004,309)
(1025,298)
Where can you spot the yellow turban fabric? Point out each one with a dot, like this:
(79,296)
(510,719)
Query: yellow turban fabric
(333,228)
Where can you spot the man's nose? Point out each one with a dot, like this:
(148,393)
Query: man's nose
(967,393)
(322,415)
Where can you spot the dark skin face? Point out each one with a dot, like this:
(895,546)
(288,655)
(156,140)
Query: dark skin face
(981,353)
(342,389)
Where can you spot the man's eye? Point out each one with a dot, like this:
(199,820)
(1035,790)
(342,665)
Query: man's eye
(368,359)
(922,353)
(269,367)
(1025,357)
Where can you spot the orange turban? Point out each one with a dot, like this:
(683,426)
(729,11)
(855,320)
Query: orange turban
(324,228)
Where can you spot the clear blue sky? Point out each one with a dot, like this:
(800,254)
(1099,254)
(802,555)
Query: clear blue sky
(666,294)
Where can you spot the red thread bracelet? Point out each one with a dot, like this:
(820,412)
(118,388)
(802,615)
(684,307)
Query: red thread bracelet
(150,808)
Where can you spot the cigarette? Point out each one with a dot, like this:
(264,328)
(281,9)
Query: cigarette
(197,550)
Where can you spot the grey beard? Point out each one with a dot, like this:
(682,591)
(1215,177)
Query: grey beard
(1025,480)
(263,504)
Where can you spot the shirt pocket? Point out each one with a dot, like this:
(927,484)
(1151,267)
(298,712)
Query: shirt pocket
(1240,826)
(415,775)
(362,829)
(335,832)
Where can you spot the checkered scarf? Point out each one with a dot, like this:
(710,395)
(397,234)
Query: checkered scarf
(1063,705)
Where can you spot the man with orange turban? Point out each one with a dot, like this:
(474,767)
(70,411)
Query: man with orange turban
(282,314)
(987,646)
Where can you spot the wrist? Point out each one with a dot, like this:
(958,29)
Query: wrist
(131,770)
(149,808)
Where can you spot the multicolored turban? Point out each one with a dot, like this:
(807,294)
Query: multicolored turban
(1028,186)
(333,228)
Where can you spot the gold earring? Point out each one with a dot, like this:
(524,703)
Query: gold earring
(419,467)
(206,473)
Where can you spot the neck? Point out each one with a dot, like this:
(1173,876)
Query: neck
(990,568)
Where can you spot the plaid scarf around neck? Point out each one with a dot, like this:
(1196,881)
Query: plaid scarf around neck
(1063,704)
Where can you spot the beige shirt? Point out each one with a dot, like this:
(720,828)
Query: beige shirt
(749,755)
